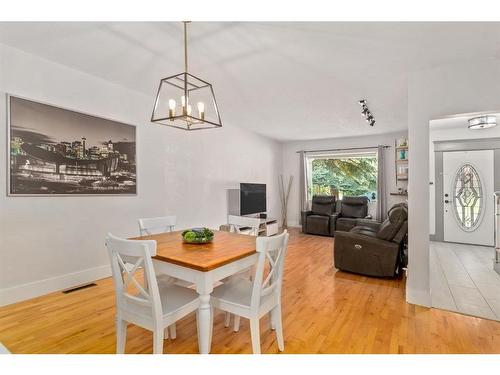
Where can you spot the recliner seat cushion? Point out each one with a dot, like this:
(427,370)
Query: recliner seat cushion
(318,224)
(345,224)
(365,231)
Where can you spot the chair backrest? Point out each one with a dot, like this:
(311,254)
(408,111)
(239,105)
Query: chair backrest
(323,204)
(155,225)
(127,256)
(356,207)
(237,222)
(271,250)
(394,228)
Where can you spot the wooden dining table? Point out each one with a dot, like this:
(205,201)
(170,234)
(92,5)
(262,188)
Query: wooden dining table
(203,265)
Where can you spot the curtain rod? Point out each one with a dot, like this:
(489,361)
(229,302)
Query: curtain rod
(343,149)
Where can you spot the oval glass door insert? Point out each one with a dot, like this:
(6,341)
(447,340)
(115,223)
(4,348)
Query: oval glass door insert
(468,199)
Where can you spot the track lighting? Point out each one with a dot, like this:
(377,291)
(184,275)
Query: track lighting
(365,112)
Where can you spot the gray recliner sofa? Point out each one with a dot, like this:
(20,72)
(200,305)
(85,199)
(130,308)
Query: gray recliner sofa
(372,248)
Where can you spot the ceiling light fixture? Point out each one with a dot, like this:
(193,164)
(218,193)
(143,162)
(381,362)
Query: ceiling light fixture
(185,101)
(365,112)
(482,122)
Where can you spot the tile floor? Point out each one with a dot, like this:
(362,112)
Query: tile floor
(463,279)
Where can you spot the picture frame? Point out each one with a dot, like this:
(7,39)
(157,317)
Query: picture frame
(56,151)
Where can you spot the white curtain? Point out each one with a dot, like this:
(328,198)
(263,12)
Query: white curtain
(304,204)
(381,188)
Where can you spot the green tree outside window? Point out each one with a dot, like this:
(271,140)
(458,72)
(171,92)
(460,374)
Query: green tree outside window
(345,177)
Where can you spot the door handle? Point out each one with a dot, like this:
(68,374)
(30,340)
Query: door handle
(446,201)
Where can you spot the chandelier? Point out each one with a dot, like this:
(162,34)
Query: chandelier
(185,101)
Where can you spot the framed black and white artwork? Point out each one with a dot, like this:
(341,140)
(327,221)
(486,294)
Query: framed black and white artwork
(56,151)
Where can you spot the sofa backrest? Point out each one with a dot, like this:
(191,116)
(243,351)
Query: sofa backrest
(323,205)
(356,207)
(395,226)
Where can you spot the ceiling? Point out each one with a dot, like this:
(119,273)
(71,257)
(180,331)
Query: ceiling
(287,81)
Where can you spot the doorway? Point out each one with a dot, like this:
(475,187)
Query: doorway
(468,214)
(464,175)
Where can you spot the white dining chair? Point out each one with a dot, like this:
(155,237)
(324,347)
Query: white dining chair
(241,225)
(254,299)
(153,307)
(155,225)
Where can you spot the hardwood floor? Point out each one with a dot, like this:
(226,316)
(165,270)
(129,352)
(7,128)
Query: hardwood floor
(324,311)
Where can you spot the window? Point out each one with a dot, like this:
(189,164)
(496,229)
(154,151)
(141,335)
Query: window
(467,198)
(346,174)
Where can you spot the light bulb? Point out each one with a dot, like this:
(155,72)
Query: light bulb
(201,110)
(189,110)
(171,108)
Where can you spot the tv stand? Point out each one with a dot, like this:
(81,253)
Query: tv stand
(268,226)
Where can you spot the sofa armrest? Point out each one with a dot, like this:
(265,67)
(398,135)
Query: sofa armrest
(333,222)
(304,215)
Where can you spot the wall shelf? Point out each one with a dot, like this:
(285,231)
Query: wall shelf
(400,163)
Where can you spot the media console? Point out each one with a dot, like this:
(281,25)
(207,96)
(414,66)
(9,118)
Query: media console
(268,227)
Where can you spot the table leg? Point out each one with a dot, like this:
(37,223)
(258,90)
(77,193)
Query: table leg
(204,319)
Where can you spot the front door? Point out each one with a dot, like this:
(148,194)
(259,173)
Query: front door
(468,197)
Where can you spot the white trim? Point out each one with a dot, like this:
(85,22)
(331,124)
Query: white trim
(41,287)
(418,297)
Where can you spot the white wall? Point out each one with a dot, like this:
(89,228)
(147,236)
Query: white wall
(291,163)
(51,243)
(472,86)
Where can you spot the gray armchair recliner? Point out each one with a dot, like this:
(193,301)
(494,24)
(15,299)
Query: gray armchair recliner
(321,218)
(372,248)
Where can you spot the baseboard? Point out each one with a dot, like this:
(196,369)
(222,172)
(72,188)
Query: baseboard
(418,297)
(41,287)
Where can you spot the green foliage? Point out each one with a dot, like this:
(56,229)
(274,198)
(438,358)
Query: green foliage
(350,176)
(197,235)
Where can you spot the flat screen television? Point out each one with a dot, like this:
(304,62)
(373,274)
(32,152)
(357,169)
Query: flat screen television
(252,199)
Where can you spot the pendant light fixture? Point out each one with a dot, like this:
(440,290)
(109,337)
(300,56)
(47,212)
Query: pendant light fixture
(185,101)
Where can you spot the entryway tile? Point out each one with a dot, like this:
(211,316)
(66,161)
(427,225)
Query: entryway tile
(442,299)
(489,291)
(495,306)
(480,311)
(467,296)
